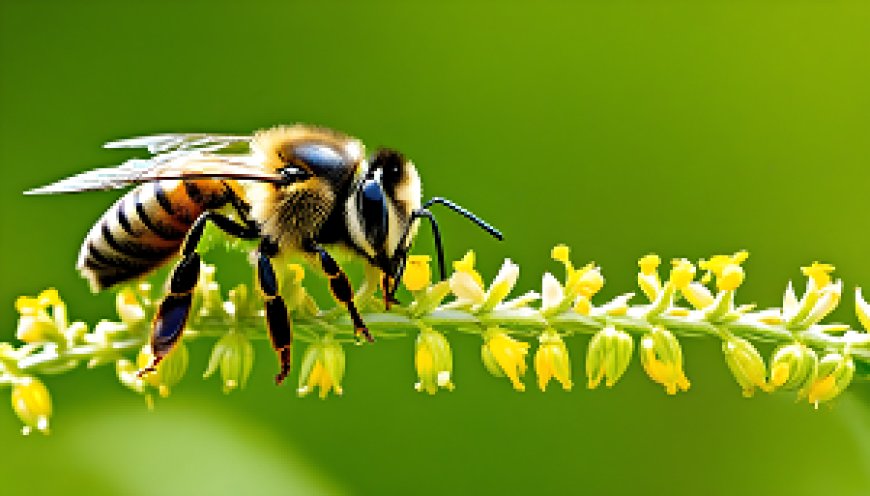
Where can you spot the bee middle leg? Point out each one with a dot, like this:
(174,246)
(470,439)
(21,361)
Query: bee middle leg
(277,317)
(339,284)
(171,316)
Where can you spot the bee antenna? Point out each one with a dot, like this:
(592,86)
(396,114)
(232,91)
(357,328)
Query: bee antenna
(495,233)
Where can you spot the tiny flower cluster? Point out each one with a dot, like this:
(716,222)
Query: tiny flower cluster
(815,360)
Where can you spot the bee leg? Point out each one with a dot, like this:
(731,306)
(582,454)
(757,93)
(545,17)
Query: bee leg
(171,316)
(339,284)
(277,318)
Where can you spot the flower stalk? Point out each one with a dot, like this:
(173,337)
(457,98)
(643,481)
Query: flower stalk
(818,360)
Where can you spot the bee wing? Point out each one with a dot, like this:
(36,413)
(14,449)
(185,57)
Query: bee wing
(176,156)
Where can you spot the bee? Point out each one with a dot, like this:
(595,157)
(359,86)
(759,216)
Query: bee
(295,189)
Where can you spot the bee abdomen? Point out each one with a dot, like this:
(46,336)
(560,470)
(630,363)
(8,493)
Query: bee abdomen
(144,229)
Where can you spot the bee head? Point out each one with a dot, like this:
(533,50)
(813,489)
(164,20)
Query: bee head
(380,209)
(382,213)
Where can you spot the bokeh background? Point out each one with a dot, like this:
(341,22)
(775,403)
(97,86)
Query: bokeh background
(620,128)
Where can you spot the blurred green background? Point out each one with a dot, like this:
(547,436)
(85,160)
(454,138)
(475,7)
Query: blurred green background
(620,128)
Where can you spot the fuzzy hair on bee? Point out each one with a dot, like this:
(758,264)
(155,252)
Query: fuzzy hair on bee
(295,189)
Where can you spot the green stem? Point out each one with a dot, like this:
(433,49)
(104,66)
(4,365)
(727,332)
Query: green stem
(526,321)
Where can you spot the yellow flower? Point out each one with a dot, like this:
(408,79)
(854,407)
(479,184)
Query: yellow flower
(862,309)
(36,324)
(234,354)
(697,295)
(418,275)
(552,361)
(746,365)
(819,273)
(834,375)
(169,371)
(662,359)
(466,265)
(648,277)
(793,366)
(504,356)
(433,361)
(323,367)
(32,403)
(590,281)
(128,306)
(469,289)
(561,253)
(608,356)
(731,278)
(682,273)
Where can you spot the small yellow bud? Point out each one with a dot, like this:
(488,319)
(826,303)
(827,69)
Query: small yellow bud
(128,307)
(697,295)
(682,273)
(418,275)
(169,371)
(322,366)
(608,356)
(466,265)
(505,355)
(433,360)
(649,263)
(746,365)
(552,361)
(560,253)
(862,310)
(834,375)
(32,403)
(819,273)
(662,359)
(591,282)
(793,366)
(234,354)
(583,305)
(731,278)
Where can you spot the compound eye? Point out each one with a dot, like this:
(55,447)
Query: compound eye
(391,163)
(373,207)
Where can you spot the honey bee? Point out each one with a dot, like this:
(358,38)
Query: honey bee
(295,189)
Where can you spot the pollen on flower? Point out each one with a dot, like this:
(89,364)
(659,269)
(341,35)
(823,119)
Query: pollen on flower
(560,253)
(466,265)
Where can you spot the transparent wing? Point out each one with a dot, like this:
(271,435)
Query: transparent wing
(175,156)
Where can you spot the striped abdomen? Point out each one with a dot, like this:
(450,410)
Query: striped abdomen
(145,228)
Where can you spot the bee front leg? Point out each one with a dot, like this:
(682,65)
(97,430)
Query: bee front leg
(339,284)
(277,318)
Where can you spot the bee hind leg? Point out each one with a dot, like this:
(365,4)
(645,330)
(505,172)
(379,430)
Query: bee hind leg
(339,284)
(171,316)
(277,318)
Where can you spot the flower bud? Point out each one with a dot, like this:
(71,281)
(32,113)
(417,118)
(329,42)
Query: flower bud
(682,273)
(418,274)
(608,356)
(128,307)
(32,403)
(433,361)
(746,365)
(697,295)
(207,295)
(552,361)
(501,286)
(35,324)
(169,371)
(834,375)
(731,277)
(234,354)
(323,367)
(793,366)
(662,359)
(504,355)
